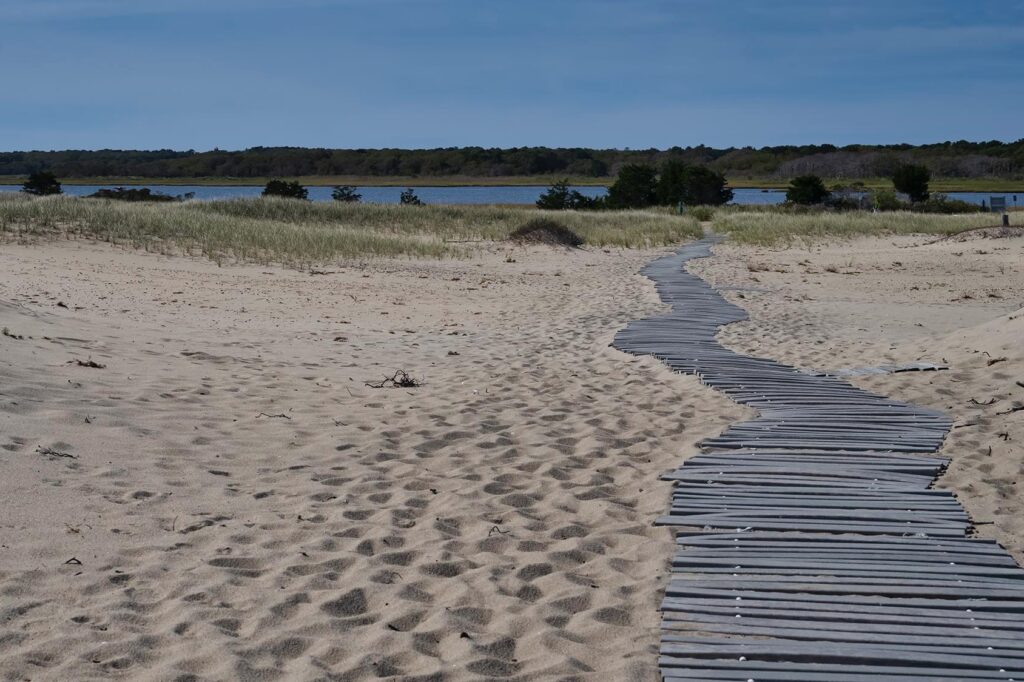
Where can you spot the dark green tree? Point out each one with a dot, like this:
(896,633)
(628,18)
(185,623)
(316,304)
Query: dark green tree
(912,180)
(409,198)
(583,202)
(346,193)
(283,188)
(807,190)
(557,198)
(560,198)
(634,188)
(704,187)
(671,182)
(41,183)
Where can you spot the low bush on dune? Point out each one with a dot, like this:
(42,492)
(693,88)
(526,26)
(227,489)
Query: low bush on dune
(701,213)
(545,231)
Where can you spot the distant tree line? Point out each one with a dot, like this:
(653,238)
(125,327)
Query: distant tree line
(946,159)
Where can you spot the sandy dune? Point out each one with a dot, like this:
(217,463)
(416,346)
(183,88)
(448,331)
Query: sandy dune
(227,499)
(875,301)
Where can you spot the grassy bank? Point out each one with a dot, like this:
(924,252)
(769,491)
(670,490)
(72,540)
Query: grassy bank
(772,228)
(996,185)
(302,233)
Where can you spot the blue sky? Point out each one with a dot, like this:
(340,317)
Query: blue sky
(147,74)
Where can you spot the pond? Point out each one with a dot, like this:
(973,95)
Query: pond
(502,194)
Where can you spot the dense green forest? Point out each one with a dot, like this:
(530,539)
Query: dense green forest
(945,160)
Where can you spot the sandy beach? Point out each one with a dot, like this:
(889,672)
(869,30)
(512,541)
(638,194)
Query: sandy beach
(226,498)
(222,496)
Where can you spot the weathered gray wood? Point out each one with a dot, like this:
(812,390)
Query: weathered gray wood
(818,545)
(940,655)
(793,628)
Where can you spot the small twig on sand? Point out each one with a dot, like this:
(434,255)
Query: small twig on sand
(400,379)
(87,363)
(976,402)
(54,453)
(273,416)
(995,360)
(1015,408)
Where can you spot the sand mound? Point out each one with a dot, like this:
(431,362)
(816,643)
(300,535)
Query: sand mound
(544,231)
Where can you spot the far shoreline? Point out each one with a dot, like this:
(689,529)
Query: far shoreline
(937,185)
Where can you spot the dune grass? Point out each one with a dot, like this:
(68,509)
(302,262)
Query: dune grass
(770,229)
(300,233)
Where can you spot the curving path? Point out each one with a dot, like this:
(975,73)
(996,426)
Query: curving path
(812,545)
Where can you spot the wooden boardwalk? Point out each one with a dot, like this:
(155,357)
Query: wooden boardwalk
(812,545)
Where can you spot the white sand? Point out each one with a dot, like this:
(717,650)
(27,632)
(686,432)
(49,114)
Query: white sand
(493,523)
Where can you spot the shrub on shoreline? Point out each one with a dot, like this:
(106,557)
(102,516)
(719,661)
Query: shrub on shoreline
(409,198)
(285,190)
(560,198)
(345,193)
(912,180)
(133,194)
(42,183)
(806,190)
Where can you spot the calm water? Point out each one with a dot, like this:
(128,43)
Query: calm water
(469,195)
(380,195)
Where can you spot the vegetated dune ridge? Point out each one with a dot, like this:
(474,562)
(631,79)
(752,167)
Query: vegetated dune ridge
(873,301)
(225,498)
